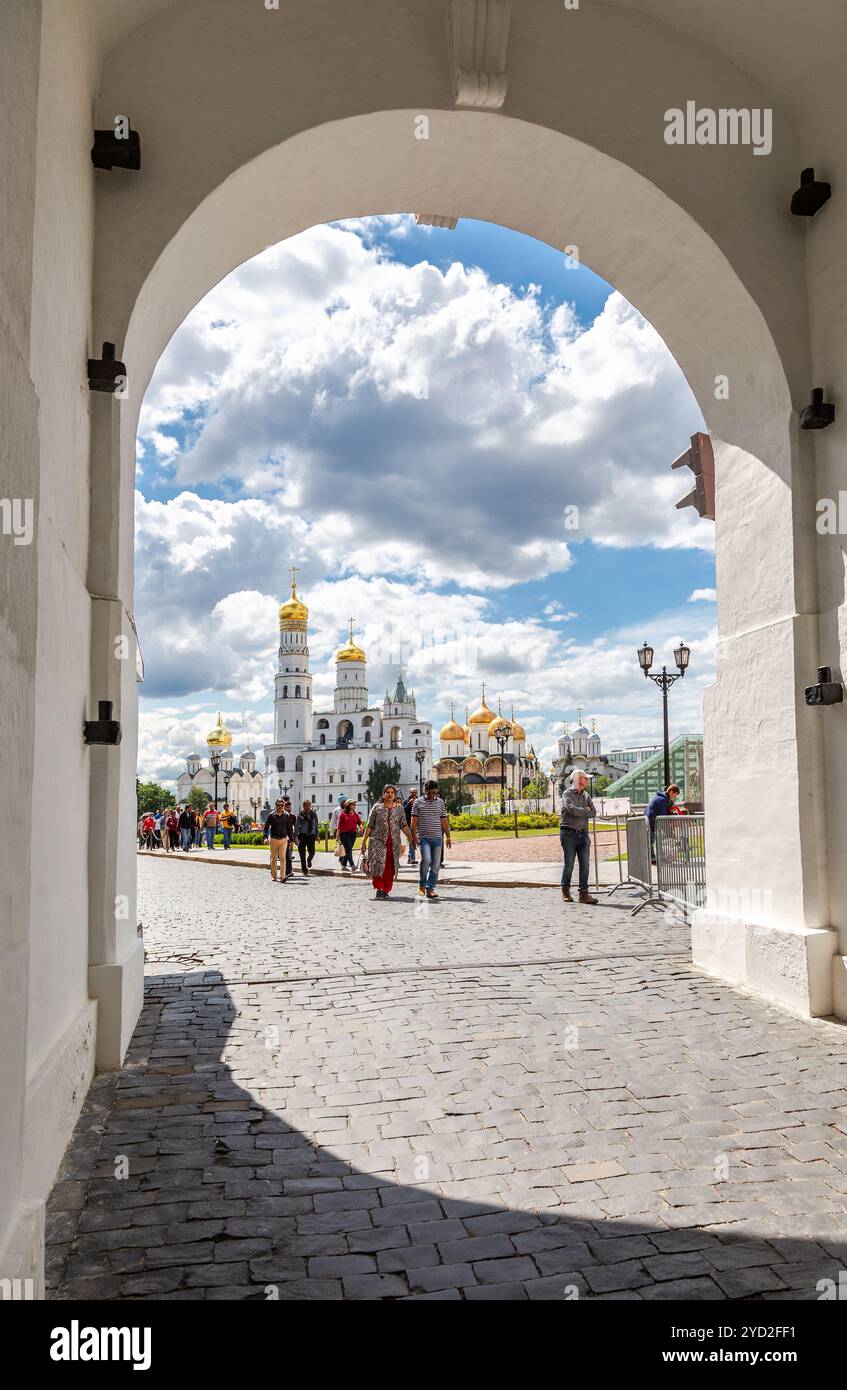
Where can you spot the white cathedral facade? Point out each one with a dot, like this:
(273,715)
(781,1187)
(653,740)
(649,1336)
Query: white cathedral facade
(324,754)
(581,749)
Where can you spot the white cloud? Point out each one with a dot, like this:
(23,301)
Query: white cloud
(703,596)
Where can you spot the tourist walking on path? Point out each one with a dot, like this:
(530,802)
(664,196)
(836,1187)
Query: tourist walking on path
(162,823)
(577,809)
(430,827)
(148,831)
(348,828)
(386,824)
(306,830)
(172,823)
(407,807)
(278,830)
(292,839)
(661,804)
(187,825)
(211,821)
(229,822)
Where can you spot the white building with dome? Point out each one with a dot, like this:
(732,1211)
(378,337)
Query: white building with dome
(241,786)
(582,749)
(322,754)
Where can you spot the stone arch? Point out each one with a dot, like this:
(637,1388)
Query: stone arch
(723,292)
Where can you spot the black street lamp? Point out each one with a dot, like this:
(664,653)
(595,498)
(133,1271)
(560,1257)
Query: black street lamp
(215,760)
(664,681)
(502,737)
(227,778)
(420,754)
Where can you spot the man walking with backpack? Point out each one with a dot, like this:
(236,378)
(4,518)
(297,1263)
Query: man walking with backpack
(306,831)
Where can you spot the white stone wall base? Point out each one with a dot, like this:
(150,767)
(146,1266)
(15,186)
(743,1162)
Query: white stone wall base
(839,986)
(793,966)
(22,1255)
(54,1098)
(119,991)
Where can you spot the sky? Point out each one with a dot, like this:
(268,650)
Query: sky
(463,443)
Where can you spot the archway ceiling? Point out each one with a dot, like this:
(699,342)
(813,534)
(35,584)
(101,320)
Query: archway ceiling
(771,40)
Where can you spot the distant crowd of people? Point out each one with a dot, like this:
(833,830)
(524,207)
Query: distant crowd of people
(184,828)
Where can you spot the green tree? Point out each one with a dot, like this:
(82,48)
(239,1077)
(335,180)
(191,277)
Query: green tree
(379,777)
(564,773)
(600,785)
(151,797)
(198,799)
(454,799)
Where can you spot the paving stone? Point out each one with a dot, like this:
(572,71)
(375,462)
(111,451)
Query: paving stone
(545,1167)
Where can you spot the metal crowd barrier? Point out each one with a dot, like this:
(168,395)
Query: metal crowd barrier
(681,859)
(639,870)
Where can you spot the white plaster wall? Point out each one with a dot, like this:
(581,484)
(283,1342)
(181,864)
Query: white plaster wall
(20,1227)
(62,255)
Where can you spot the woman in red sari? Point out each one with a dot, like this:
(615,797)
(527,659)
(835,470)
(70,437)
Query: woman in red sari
(386,824)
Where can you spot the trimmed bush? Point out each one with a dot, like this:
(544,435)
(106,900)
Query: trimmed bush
(541,820)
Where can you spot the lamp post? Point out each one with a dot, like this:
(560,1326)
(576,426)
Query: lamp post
(227,779)
(215,760)
(420,754)
(664,681)
(502,737)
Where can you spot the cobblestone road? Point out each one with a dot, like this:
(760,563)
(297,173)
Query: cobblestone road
(492,1097)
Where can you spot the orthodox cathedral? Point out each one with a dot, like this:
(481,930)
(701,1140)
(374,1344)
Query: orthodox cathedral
(582,749)
(326,753)
(242,787)
(487,754)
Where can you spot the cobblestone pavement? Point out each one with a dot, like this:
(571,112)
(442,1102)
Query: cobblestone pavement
(495,1097)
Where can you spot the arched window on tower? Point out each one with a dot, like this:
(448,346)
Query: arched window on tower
(285,692)
(280,763)
(297,692)
(323,740)
(298,763)
(367,735)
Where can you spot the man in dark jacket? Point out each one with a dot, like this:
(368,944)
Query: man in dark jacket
(407,807)
(279,829)
(660,805)
(577,810)
(187,827)
(306,831)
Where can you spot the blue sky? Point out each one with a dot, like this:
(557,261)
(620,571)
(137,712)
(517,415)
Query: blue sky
(410,415)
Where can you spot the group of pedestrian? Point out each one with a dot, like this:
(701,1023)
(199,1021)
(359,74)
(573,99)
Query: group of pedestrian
(424,825)
(421,820)
(283,831)
(183,827)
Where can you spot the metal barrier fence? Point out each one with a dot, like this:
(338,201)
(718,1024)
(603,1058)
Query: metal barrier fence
(681,859)
(639,868)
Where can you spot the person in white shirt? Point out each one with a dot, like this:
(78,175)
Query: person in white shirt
(430,828)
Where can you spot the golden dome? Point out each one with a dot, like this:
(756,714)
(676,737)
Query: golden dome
(518,730)
(350,652)
(483,715)
(452,732)
(220,737)
(294,610)
(499,724)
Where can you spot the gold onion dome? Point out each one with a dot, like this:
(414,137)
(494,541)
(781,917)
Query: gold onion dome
(518,730)
(293,610)
(350,652)
(500,724)
(452,732)
(483,715)
(220,737)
